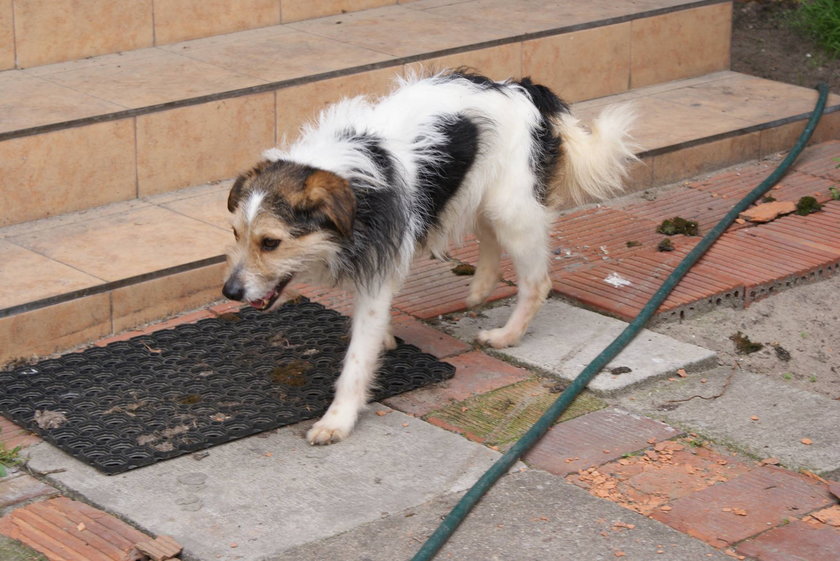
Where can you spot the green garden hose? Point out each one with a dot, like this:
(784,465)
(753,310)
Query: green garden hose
(530,438)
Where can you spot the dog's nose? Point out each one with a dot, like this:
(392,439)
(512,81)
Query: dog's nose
(233,289)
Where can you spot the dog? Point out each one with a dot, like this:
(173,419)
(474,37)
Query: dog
(372,182)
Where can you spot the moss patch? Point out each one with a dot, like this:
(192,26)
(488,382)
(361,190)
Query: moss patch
(807,205)
(665,245)
(13,550)
(743,345)
(501,417)
(678,225)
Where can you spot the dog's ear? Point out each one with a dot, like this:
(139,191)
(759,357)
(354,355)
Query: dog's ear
(238,188)
(331,195)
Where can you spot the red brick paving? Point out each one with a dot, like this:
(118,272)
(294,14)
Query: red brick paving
(475,373)
(12,436)
(821,160)
(594,439)
(427,338)
(662,473)
(63,529)
(796,541)
(745,506)
(762,261)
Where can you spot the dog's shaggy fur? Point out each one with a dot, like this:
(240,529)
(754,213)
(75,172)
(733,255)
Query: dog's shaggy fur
(370,183)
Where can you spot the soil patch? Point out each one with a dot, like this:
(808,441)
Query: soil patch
(797,328)
(765,44)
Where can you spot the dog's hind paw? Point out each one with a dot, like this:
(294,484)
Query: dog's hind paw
(497,338)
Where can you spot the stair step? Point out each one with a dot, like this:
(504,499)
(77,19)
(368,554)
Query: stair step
(115,127)
(59,30)
(75,278)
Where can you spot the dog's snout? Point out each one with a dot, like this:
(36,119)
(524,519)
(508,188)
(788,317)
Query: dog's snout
(233,289)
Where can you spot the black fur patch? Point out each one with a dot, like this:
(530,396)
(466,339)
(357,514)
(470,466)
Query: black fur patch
(546,144)
(438,181)
(483,82)
(381,217)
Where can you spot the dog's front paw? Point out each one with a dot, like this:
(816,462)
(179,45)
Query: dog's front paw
(497,338)
(333,427)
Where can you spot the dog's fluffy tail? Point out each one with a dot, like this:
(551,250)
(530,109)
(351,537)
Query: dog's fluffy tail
(594,162)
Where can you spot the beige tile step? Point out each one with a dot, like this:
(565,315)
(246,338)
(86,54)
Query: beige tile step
(71,279)
(116,127)
(41,32)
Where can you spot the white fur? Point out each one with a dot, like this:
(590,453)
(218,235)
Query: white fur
(252,205)
(496,201)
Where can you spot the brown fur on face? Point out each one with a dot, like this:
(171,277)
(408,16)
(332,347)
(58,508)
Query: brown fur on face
(299,190)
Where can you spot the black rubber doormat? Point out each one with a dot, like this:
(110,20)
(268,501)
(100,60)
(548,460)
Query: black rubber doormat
(158,396)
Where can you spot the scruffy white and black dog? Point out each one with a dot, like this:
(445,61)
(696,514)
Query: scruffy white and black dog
(352,201)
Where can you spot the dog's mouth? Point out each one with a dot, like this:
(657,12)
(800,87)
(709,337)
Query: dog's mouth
(269,299)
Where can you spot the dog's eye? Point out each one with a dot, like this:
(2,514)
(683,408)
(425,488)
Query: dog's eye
(235,234)
(269,244)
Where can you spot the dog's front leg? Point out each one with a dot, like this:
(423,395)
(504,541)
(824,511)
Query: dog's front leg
(371,322)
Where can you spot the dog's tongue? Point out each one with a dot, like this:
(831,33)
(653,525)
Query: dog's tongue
(264,301)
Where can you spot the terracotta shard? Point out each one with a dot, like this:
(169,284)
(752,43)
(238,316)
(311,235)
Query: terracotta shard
(766,212)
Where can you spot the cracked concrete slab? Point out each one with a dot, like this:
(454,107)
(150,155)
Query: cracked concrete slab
(563,339)
(754,413)
(527,516)
(262,495)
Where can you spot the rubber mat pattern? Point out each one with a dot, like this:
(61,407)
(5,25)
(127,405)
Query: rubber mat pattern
(158,396)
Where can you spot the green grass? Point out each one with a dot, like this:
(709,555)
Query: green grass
(820,20)
(8,458)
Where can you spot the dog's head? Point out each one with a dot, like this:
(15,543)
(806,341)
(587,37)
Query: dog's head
(288,220)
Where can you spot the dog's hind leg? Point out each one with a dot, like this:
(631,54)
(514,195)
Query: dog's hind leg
(487,272)
(526,242)
(371,320)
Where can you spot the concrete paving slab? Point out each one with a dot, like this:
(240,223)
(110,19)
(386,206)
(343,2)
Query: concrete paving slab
(784,416)
(527,516)
(563,339)
(259,496)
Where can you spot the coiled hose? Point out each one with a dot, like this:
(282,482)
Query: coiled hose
(460,511)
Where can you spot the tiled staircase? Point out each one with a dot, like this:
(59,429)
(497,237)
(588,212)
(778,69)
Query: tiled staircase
(116,141)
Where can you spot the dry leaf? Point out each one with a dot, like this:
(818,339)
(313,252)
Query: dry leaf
(813,475)
(830,516)
(383,412)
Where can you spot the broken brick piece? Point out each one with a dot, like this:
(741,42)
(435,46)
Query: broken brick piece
(766,212)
